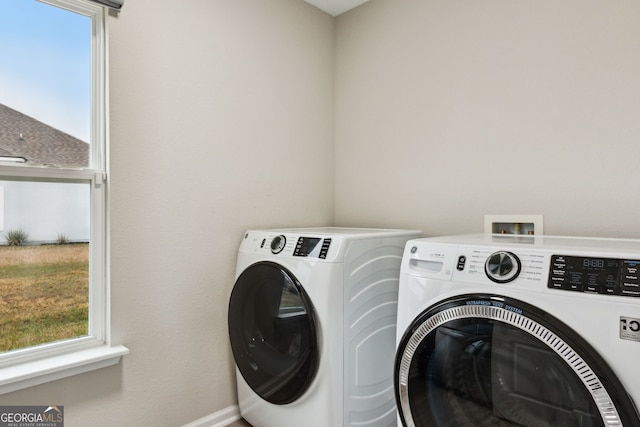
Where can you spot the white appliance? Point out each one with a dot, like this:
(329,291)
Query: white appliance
(498,330)
(312,326)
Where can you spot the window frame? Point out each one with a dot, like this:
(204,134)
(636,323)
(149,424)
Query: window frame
(31,366)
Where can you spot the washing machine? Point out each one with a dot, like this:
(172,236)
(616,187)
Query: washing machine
(507,330)
(312,320)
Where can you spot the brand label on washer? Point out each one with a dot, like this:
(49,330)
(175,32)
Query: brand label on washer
(630,328)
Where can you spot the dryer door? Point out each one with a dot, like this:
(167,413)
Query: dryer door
(487,360)
(273,333)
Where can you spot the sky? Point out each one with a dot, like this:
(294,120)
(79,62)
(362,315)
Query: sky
(45,64)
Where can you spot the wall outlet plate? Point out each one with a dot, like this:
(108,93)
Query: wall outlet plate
(513,224)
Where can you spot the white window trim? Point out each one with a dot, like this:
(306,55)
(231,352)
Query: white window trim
(1,208)
(31,366)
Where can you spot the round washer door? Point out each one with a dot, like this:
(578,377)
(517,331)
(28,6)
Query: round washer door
(273,333)
(487,360)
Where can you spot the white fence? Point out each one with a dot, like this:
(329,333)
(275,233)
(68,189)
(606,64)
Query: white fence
(45,211)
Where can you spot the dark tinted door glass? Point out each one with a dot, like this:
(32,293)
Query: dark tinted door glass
(488,360)
(476,372)
(272,332)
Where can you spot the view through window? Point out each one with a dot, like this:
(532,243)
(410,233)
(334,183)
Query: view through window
(47,204)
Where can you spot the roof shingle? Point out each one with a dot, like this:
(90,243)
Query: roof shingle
(39,143)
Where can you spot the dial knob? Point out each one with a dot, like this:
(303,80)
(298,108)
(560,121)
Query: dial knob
(277,244)
(502,267)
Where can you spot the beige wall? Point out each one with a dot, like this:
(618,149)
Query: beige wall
(447,110)
(222,118)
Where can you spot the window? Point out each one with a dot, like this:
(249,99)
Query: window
(54,301)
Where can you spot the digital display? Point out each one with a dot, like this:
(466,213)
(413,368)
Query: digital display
(307,246)
(314,247)
(608,276)
(592,263)
(592,274)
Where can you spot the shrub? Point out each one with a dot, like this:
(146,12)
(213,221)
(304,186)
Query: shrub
(16,237)
(62,239)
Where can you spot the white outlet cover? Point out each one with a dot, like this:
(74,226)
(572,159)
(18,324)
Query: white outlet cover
(536,220)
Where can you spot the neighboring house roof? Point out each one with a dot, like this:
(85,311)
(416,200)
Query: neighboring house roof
(39,143)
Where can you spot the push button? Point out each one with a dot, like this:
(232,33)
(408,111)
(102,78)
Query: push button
(461,262)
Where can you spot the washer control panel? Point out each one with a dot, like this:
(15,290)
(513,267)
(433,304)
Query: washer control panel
(597,268)
(499,266)
(609,276)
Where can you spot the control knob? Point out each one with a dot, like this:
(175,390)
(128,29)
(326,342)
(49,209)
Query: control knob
(502,266)
(278,243)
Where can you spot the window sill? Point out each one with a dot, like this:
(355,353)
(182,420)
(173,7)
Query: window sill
(29,374)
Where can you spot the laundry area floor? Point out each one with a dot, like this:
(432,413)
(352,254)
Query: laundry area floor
(239,423)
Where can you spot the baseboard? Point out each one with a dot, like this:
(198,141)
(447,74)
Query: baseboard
(221,418)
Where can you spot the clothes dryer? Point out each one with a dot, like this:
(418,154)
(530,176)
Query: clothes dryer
(498,330)
(312,326)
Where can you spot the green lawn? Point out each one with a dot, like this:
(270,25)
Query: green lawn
(43,294)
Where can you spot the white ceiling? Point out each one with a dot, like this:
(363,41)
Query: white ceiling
(336,7)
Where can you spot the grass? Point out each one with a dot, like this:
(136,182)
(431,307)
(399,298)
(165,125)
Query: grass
(43,294)
(16,237)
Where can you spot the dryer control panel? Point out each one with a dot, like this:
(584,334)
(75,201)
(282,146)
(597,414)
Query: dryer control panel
(312,247)
(609,276)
